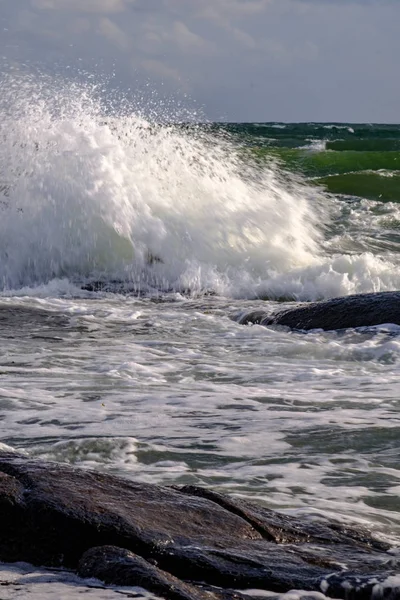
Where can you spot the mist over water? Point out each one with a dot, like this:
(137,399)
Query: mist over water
(92,194)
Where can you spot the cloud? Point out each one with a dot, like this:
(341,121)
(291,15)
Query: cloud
(230,9)
(241,59)
(187,40)
(162,70)
(89,6)
(114,34)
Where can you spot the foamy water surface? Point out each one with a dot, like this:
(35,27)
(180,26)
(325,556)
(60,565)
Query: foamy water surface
(149,375)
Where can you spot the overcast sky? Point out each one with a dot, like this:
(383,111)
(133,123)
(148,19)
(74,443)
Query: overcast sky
(238,60)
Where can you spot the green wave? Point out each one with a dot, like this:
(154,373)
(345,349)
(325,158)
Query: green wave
(373,186)
(364,145)
(319,164)
(337,136)
(330,131)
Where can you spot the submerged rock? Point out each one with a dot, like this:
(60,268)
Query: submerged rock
(180,543)
(360,310)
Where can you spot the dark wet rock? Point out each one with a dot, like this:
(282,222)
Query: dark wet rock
(112,285)
(281,528)
(360,310)
(65,511)
(180,543)
(110,563)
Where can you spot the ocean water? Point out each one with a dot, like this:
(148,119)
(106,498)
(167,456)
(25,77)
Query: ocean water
(129,247)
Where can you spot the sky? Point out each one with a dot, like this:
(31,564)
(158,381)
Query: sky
(232,60)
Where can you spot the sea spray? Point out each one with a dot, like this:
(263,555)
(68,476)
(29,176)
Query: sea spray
(92,194)
(94,190)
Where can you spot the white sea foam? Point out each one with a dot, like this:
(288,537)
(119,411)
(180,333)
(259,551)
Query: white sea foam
(336,126)
(93,194)
(315,145)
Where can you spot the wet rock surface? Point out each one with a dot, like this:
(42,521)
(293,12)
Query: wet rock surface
(360,310)
(179,543)
(110,563)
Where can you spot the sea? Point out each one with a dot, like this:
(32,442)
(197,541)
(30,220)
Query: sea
(129,247)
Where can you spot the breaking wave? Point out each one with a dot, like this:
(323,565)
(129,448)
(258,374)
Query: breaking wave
(92,193)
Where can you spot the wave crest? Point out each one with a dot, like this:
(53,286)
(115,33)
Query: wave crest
(92,194)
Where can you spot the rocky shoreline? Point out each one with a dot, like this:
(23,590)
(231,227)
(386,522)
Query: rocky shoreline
(180,543)
(359,310)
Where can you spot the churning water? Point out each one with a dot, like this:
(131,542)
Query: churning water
(127,247)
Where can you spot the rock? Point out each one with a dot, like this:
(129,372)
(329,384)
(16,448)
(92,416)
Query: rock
(110,563)
(181,543)
(360,310)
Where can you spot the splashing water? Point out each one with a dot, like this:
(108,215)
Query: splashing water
(93,194)
(89,195)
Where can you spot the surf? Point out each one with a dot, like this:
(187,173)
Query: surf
(93,193)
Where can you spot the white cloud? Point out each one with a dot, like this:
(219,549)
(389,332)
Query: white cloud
(159,68)
(220,9)
(114,34)
(244,38)
(187,40)
(89,6)
(261,59)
